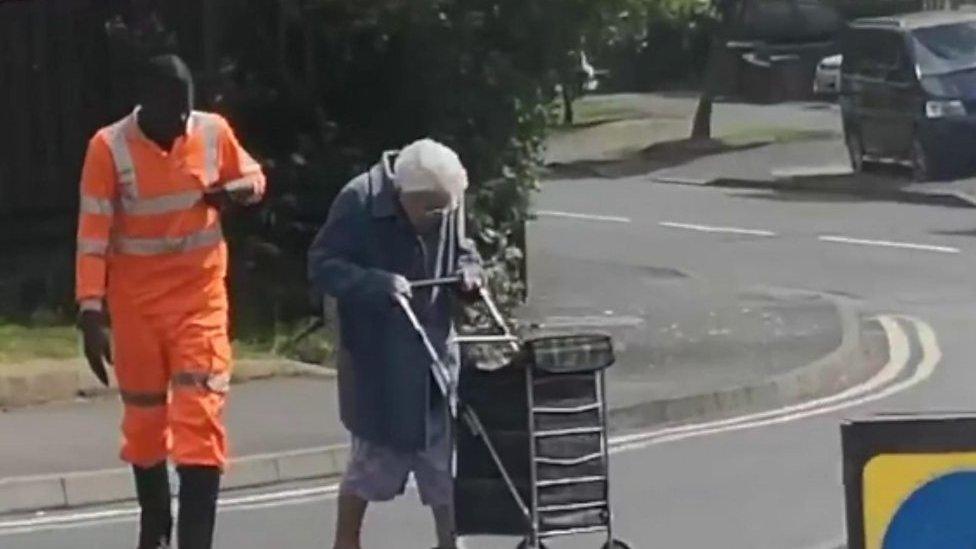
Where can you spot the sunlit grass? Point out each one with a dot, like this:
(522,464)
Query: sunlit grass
(19,343)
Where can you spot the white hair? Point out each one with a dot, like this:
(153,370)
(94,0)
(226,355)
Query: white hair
(427,165)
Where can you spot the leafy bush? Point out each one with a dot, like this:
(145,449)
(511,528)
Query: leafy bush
(671,49)
(351,79)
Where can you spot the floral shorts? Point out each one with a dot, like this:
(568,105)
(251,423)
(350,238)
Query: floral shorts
(379,473)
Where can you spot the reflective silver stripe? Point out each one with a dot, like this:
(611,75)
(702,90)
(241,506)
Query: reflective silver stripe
(161,204)
(91,304)
(211,381)
(90,246)
(246,183)
(452,243)
(210,236)
(211,142)
(439,264)
(96,206)
(569,461)
(124,168)
(245,190)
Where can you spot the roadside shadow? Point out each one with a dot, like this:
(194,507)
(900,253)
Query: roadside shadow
(892,187)
(601,120)
(772,195)
(667,154)
(961,232)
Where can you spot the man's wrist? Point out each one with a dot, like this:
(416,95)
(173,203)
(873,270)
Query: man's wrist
(93,304)
(91,309)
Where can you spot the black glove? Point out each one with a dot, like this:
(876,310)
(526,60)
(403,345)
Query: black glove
(218,199)
(222,198)
(98,350)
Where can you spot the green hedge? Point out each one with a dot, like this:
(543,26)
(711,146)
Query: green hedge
(320,91)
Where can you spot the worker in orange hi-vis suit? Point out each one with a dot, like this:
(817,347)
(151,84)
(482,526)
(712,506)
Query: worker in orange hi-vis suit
(150,249)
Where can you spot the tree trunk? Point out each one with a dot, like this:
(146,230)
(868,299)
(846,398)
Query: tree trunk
(569,117)
(730,11)
(702,126)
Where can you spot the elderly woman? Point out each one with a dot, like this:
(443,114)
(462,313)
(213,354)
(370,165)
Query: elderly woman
(398,222)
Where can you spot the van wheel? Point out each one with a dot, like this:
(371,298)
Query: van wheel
(855,149)
(922,169)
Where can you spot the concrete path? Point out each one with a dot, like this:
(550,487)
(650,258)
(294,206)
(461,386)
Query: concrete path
(262,416)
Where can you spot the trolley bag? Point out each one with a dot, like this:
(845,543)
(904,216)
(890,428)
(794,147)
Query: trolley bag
(531,457)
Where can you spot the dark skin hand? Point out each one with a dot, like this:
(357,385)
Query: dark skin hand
(221,198)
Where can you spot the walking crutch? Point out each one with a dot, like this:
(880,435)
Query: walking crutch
(448,385)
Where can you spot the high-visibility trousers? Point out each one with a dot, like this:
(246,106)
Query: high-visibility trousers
(173,372)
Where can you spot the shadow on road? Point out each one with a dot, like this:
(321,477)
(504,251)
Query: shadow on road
(967,232)
(656,157)
(889,185)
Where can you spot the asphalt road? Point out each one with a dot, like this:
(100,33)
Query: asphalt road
(765,482)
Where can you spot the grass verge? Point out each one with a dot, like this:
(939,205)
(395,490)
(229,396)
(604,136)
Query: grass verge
(19,343)
(24,343)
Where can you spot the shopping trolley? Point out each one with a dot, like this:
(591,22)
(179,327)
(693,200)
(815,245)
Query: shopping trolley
(530,454)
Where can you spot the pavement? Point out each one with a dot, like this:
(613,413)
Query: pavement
(270,416)
(43,381)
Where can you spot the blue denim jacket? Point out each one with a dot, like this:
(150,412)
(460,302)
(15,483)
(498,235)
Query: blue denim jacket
(385,390)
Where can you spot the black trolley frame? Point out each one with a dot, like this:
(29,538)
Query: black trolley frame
(542,418)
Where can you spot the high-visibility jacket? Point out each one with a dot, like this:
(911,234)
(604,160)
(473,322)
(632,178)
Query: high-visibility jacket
(144,233)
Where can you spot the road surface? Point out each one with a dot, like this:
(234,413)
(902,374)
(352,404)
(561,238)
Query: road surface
(769,481)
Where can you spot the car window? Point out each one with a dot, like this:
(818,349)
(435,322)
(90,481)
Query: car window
(874,53)
(946,48)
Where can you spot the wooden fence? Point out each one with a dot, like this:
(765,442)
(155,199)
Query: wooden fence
(59,82)
(54,88)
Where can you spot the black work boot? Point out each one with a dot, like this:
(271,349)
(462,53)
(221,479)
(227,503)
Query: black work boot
(199,486)
(156,517)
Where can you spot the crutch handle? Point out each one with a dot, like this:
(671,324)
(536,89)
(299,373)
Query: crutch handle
(431,282)
(484,294)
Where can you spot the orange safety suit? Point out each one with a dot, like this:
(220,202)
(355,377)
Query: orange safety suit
(153,250)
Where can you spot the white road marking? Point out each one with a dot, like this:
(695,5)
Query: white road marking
(931,356)
(591,321)
(811,171)
(898,357)
(839,544)
(890,244)
(585,217)
(712,229)
(878,387)
(255,501)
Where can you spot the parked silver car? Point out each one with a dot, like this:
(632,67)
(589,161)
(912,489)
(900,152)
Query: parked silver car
(826,81)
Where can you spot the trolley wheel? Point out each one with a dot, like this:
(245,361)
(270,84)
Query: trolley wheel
(615,544)
(524,544)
